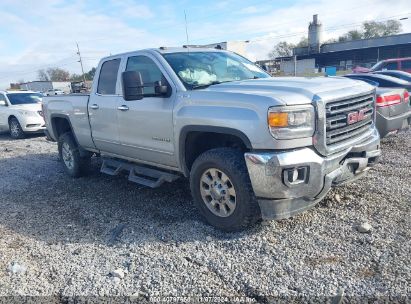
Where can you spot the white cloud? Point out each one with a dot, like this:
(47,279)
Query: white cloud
(49,32)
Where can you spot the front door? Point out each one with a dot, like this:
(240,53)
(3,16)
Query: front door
(3,114)
(146,126)
(102,109)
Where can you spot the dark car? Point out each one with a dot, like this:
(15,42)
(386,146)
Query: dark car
(393,102)
(381,81)
(397,74)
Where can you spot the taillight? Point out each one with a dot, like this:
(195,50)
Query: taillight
(406,96)
(388,100)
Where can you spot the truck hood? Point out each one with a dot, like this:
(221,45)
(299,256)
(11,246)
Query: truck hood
(292,90)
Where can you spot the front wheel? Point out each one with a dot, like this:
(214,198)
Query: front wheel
(16,131)
(222,190)
(74,164)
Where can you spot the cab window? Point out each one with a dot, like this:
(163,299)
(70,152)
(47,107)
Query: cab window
(108,77)
(406,64)
(150,73)
(391,66)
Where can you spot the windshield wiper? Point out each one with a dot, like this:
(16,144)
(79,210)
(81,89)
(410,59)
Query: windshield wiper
(203,86)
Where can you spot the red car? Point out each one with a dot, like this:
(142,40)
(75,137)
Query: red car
(400,64)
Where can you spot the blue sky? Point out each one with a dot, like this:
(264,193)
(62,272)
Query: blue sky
(41,34)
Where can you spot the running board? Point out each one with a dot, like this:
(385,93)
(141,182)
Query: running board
(149,177)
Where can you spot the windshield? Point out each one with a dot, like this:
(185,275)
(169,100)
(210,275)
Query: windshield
(201,69)
(24,98)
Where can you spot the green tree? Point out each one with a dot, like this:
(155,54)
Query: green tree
(351,35)
(373,29)
(89,75)
(282,49)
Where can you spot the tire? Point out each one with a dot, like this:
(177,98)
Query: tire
(233,206)
(16,131)
(74,164)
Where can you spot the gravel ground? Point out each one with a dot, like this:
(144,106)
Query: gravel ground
(107,237)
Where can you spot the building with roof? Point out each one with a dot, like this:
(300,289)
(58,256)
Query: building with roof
(43,86)
(348,54)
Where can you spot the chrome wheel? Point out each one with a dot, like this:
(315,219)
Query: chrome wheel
(67,156)
(14,129)
(217,192)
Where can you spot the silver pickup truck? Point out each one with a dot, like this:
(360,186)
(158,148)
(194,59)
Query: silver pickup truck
(252,146)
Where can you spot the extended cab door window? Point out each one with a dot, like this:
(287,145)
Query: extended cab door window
(150,73)
(108,77)
(102,108)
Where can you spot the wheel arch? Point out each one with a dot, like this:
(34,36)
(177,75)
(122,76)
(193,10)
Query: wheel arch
(223,134)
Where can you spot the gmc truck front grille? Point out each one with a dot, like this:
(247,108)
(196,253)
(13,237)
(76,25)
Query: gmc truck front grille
(348,118)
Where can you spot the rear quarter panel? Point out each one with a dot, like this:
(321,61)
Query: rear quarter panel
(75,109)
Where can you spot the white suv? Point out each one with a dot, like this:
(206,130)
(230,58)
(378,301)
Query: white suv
(20,113)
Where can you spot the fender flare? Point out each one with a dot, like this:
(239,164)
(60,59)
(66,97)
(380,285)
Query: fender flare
(209,129)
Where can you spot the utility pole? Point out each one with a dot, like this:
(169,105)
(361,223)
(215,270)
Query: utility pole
(81,63)
(295,64)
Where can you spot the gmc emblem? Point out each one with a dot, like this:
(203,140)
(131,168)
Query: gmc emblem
(354,117)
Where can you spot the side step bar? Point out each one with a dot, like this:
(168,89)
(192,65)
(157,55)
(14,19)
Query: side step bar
(149,177)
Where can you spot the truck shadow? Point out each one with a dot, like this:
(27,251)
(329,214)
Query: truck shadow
(39,200)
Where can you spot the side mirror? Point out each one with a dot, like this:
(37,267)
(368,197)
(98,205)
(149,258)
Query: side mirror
(132,85)
(160,89)
(3,103)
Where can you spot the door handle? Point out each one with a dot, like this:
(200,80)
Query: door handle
(94,107)
(123,108)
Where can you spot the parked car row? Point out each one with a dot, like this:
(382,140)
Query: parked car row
(399,64)
(392,101)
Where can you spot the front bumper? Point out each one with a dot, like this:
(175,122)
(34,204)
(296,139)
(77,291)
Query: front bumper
(289,182)
(32,124)
(387,125)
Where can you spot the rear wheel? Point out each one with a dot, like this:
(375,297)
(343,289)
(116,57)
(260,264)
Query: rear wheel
(16,131)
(74,164)
(222,190)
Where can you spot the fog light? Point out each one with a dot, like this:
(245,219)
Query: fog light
(295,176)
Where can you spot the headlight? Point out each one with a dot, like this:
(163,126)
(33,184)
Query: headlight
(290,122)
(28,113)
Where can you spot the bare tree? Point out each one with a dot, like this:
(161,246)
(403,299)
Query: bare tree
(57,74)
(42,75)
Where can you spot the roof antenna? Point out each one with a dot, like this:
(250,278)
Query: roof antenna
(185,18)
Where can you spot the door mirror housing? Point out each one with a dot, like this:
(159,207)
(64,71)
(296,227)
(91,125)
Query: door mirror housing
(133,85)
(160,88)
(3,103)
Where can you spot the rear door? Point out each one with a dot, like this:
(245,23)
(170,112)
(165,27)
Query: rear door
(146,126)
(102,107)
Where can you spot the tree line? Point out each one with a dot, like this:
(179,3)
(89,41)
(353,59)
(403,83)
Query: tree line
(58,74)
(369,29)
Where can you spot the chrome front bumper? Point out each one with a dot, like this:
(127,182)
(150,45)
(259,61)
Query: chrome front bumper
(289,182)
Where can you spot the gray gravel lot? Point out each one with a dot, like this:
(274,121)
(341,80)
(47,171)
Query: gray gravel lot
(69,235)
